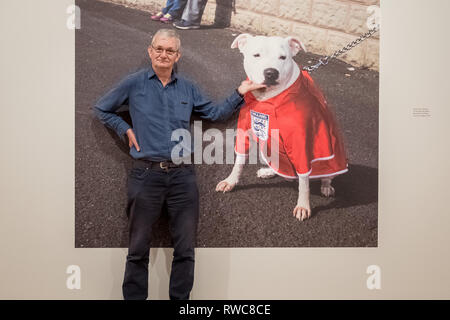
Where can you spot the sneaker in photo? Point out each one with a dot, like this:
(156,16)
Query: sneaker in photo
(186,25)
(167,18)
(157,17)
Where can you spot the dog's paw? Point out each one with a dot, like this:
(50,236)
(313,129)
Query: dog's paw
(265,173)
(327,191)
(225,186)
(301,213)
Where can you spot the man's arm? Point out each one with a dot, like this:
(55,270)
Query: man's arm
(222,111)
(106,106)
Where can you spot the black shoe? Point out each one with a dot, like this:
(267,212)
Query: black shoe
(185,25)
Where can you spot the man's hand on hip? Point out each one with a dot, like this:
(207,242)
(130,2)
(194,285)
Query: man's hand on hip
(248,85)
(132,139)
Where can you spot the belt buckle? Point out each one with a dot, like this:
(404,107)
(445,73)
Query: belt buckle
(164,165)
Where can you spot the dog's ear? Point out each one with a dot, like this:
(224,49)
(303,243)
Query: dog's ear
(295,45)
(240,41)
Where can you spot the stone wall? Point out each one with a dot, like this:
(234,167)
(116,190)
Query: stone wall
(324,26)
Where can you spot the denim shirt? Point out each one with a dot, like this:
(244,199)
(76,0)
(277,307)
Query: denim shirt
(156,110)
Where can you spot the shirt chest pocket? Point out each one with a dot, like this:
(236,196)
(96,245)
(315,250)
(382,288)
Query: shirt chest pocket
(183,109)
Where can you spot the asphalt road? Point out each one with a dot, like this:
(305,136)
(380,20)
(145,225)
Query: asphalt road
(112,43)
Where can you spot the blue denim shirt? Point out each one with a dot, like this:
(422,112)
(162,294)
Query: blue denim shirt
(156,110)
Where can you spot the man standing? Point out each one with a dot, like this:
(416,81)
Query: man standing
(161,101)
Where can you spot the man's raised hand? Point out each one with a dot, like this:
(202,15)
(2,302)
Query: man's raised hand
(248,85)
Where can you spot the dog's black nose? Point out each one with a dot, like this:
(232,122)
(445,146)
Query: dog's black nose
(271,74)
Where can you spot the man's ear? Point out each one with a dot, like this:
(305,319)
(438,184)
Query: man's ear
(240,41)
(295,45)
(178,56)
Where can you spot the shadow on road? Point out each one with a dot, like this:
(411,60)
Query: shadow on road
(359,186)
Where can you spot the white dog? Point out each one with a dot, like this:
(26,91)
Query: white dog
(309,143)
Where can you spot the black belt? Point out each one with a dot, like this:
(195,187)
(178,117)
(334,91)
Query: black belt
(164,165)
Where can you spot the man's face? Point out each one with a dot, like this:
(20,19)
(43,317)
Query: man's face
(164,52)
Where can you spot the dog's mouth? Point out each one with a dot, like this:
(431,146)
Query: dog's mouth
(270,82)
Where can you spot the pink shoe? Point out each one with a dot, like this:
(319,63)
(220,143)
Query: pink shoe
(167,18)
(157,17)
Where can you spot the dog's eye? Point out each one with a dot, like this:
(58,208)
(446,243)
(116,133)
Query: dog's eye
(283,57)
(256,55)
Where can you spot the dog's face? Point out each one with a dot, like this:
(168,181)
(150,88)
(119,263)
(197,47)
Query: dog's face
(268,60)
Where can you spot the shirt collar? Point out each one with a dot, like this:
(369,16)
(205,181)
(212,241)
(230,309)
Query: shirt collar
(151,73)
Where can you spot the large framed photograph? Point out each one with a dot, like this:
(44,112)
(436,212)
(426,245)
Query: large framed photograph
(258,212)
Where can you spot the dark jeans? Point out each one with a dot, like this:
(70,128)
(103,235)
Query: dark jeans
(149,190)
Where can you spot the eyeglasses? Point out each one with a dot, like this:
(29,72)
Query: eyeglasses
(169,52)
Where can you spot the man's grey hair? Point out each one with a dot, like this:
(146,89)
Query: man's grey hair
(170,33)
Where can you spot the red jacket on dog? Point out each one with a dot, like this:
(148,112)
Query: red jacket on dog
(309,140)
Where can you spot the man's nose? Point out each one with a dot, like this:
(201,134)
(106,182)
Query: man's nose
(271,74)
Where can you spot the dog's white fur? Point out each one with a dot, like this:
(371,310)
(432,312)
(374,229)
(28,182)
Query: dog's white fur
(261,53)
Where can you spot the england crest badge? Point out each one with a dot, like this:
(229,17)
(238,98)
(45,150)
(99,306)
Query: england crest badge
(260,124)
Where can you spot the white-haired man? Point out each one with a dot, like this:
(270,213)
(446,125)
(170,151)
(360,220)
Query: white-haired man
(161,101)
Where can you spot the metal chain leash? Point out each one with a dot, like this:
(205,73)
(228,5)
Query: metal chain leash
(324,61)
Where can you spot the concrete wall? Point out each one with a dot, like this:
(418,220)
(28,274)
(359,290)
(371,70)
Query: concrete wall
(323,25)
